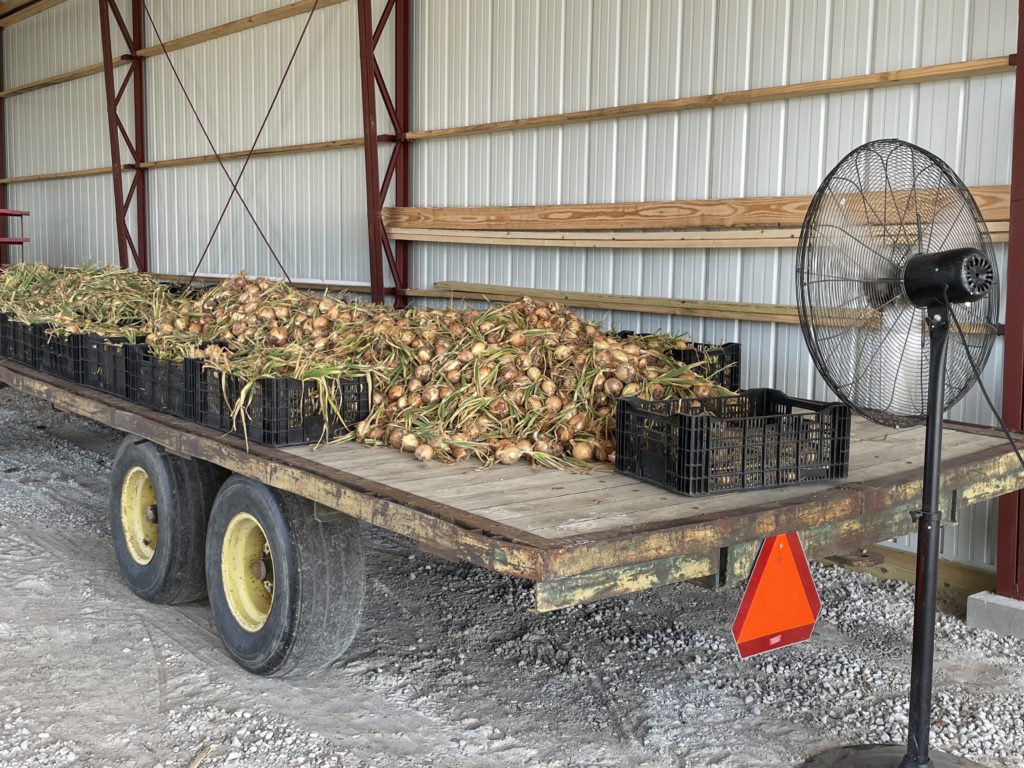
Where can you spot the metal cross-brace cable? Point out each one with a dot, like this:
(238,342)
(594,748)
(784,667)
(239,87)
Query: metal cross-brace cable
(235,181)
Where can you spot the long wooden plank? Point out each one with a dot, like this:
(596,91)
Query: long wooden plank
(727,310)
(299,284)
(292,149)
(749,212)
(8,6)
(723,310)
(179,162)
(28,11)
(196,38)
(960,69)
(62,77)
(673,239)
(764,238)
(238,25)
(58,175)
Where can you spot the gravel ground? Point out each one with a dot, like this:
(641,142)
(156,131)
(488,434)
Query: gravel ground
(450,668)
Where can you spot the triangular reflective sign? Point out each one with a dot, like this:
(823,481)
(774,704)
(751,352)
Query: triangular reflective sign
(780,605)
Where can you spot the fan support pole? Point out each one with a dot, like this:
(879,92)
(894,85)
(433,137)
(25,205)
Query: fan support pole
(928,536)
(917,753)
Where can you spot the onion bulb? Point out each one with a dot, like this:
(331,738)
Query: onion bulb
(582,451)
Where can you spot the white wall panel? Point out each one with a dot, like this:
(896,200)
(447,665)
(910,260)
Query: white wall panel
(63,38)
(71,222)
(311,213)
(63,128)
(177,18)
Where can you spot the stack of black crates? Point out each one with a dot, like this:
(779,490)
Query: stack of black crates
(757,438)
(275,412)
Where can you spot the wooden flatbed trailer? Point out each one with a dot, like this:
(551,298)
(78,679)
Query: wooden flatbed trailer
(579,537)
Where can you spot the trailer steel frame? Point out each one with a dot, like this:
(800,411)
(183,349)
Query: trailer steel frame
(718,548)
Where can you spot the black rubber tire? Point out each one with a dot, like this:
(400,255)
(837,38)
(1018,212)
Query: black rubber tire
(319,577)
(184,493)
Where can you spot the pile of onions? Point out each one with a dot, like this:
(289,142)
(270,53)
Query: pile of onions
(524,380)
(108,302)
(527,380)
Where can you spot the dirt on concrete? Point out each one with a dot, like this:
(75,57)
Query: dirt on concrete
(450,668)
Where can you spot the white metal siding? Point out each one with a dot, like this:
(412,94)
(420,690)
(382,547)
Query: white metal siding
(481,61)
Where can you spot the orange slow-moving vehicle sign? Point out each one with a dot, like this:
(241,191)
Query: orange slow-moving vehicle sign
(780,605)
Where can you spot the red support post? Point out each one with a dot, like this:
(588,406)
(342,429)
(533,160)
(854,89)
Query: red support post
(396,174)
(1010,535)
(3,157)
(129,246)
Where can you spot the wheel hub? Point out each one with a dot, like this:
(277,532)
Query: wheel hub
(139,515)
(247,570)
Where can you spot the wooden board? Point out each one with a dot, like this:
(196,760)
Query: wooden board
(749,212)
(674,239)
(953,70)
(554,504)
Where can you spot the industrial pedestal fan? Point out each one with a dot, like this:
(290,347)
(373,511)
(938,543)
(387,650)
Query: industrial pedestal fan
(893,256)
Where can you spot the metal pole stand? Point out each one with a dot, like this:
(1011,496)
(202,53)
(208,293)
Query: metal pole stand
(916,754)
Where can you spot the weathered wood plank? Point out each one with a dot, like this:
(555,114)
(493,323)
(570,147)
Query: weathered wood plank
(728,310)
(959,69)
(27,11)
(976,477)
(739,212)
(674,239)
(615,582)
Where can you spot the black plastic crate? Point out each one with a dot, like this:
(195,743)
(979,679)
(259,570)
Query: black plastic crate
(216,395)
(6,342)
(280,412)
(57,354)
(719,362)
(24,348)
(168,386)
(758,439)
(104,364)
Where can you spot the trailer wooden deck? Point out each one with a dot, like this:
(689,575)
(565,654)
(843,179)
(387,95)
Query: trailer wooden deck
(582,537)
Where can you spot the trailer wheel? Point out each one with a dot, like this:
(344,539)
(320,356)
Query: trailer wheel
(286,589)
(158,510)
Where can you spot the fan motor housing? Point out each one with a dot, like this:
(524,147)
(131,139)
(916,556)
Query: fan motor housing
(958,276)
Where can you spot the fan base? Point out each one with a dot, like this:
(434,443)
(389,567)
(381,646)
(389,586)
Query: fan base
(880,756)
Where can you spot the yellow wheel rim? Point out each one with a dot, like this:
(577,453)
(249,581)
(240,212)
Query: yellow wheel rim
(139,515)
(247,570)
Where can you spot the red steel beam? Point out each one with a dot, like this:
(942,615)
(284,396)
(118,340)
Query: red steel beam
(3,156)
(131,248)
(1010,535)
(396,174)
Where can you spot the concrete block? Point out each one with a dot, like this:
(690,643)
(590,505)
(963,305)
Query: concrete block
(1002,615)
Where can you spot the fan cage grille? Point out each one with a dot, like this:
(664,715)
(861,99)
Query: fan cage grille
(883,203)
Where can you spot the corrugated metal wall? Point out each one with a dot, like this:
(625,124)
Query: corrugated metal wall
(481,61)
(488,62)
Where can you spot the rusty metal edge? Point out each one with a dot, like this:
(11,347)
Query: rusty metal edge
(976,477)
(451,533)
